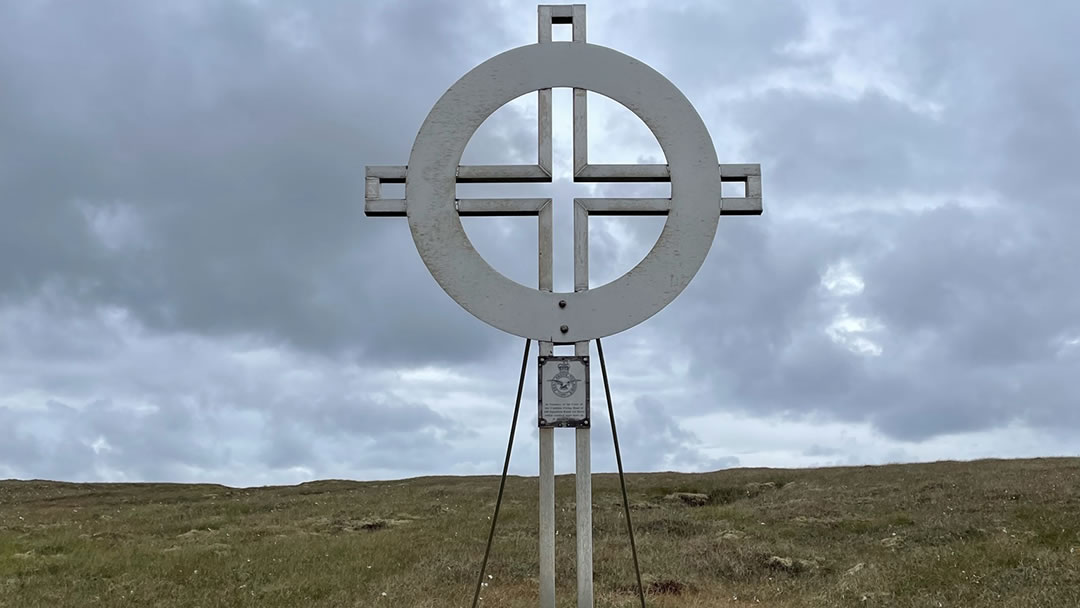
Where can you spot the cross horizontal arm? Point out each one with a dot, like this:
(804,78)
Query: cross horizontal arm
(478,174)
(624,206)
(491,207)
(524,207)
(661,206)
(377,206)
(736,205)
(623,173)
(748,174)
(469,174)
(659,173)
(467,207)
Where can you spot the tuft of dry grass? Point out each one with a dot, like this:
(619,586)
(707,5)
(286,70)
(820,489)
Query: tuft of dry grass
(985,533)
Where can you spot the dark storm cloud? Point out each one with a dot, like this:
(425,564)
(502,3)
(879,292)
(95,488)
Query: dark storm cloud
(234,136)
(376,435)
(870,146)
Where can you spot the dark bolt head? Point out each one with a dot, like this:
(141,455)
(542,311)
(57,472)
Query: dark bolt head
(562,303)
(564,329)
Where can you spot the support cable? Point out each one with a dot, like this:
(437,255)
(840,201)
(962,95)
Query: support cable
(622,480)
(506,466)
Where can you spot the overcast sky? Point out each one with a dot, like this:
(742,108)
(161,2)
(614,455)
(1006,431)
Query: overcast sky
(190,291)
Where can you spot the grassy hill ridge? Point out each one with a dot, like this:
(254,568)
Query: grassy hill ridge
(983,533)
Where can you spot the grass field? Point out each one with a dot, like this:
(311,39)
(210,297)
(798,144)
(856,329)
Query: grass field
(986,533)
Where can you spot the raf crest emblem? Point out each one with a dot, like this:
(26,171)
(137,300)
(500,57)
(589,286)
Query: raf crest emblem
(564,383)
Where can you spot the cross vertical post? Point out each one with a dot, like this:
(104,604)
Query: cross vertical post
(574,15)
(582,435)
(546,500)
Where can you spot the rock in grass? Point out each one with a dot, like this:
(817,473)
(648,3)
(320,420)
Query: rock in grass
(790,564)
(689,498)
(753,489)
(892,542)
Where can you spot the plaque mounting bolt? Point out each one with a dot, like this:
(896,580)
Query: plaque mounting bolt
(562,303)
(564,329)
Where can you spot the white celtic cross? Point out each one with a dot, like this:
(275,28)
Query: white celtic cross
(434,211)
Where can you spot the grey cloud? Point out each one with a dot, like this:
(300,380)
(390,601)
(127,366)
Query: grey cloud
(221,147)
(240,155)
(650,436)
(206,430)
(106,397)
(819,450)
(701,45)
(969,337)
(158,445)
(871,146)
(1001,295)
(353,416)
(359,439)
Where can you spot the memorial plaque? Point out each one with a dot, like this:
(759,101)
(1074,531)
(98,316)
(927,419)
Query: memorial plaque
(564,391)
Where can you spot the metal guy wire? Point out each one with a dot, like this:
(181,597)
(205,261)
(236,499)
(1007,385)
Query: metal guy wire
(622,480)
(502,480)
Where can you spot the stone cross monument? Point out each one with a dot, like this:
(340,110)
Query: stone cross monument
(573,318)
